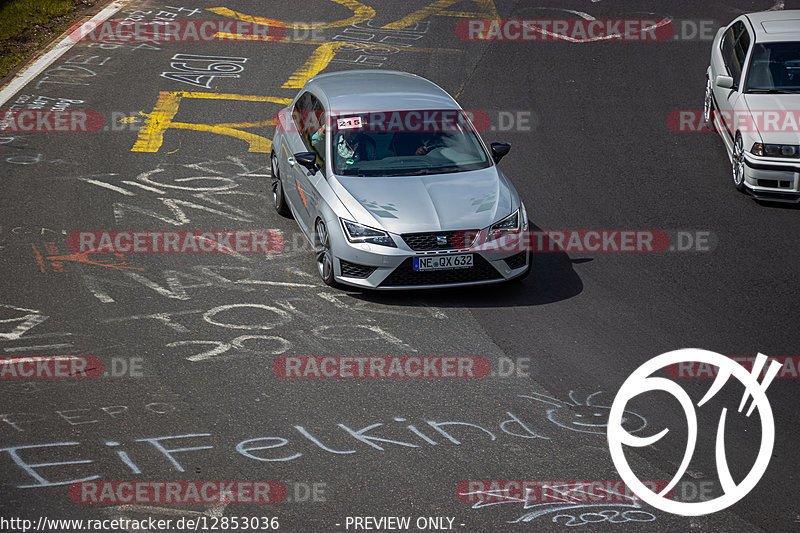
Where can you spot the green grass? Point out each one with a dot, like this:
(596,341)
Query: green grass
(25,25)
(17,15)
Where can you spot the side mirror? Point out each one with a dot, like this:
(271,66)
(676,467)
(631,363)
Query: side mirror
(499,150)
(726,82)
(308,160)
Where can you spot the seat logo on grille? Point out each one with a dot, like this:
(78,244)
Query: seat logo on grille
(441,240)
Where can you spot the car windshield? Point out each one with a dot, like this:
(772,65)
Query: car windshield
(774,67)
(405,143)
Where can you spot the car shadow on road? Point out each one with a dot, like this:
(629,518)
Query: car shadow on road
(778,205)
(552,279)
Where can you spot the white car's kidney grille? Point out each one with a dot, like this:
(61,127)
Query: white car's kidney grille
(440,240)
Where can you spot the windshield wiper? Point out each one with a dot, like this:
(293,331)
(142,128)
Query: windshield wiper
(418,172)
(774,91)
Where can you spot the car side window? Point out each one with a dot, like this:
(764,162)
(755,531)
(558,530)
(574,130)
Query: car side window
(742,46)
(299,111)
(728,42)
(315,134)
(735,44)
(309,117)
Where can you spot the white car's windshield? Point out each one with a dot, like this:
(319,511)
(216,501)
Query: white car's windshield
(405,143)
(774,67)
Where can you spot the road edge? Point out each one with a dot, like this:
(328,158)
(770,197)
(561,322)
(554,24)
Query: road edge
(21,76)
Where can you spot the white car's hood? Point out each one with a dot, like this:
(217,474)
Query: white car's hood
(777,117)
(411,204)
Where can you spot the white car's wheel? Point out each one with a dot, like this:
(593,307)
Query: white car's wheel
(737,171)
(708,106)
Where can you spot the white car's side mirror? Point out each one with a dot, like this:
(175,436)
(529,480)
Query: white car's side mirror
(726,82)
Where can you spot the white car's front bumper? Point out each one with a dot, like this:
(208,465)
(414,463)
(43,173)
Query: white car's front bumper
(772,179)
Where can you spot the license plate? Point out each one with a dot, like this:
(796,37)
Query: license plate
(443,262)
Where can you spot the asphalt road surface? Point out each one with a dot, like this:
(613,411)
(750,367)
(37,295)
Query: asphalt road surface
(188,341)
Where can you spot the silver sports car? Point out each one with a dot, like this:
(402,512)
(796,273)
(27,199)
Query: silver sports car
(388,179)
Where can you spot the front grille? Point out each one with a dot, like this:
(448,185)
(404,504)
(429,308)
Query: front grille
(453,240)
(405,275)
(783,184)
(516,261)
(352,270)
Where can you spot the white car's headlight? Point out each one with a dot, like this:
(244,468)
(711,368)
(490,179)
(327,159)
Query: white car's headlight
(510,224)
(360,233)
(775,150)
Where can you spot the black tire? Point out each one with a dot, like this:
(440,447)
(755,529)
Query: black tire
(323,254)
(278,198)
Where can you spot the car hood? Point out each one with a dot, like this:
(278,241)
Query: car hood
(787,106)
(409,204)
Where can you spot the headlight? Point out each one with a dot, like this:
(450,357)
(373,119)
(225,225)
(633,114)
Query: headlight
(359,233)
(775,150)
(524,214)
(510,224)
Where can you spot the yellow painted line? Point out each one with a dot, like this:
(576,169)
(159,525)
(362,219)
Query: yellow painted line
(360,12)
(351,44)
(256,143)
(241,97)
(257,124)
(250,37)
(320,58)
(151,134)
(420,14)
(439,8)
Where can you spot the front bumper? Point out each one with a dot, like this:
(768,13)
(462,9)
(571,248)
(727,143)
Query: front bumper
(372,266)
(772,179)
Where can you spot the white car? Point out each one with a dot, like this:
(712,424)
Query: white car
(753,100)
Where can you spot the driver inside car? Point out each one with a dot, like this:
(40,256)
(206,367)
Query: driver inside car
(351,147)
(429,142)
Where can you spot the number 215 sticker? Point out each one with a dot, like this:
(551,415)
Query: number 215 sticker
(350,123)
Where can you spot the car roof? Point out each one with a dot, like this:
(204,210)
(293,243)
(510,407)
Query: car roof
(378,90)
(776,26)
